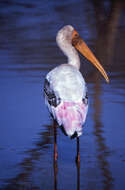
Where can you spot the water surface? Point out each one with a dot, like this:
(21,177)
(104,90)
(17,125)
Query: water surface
(28,51)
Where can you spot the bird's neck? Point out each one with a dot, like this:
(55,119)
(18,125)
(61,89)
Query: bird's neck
(72,55)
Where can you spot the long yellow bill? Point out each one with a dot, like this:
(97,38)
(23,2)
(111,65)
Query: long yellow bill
(81,46)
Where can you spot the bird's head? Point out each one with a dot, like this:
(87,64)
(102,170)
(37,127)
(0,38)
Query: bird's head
(68,35)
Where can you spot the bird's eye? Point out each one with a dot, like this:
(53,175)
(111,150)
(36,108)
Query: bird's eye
(76,35)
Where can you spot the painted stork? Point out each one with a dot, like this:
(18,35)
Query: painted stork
(65,88)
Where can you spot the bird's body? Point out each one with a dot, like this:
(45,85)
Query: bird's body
(65,88)
(69,103)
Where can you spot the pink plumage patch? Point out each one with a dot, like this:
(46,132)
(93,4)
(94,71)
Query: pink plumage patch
(72,116)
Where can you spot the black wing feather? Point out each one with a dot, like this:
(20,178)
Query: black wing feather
(50,94)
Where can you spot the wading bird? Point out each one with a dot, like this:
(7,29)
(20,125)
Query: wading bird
(65,88)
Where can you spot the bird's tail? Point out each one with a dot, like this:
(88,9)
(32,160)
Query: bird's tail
(71,116)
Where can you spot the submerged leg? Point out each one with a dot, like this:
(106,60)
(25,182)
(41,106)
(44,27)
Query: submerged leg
(78,176)
(55,142)
(55,174)
(78,153)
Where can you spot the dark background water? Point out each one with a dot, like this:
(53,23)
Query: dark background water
(28,51)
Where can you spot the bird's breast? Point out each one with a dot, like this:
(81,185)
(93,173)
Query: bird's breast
(67,83)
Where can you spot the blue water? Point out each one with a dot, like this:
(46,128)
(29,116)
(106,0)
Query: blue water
(28,51)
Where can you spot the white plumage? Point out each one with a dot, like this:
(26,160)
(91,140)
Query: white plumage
(67,83)
(65,88)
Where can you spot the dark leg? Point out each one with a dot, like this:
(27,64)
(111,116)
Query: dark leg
(78,153)
(78,176)
(55,174)
(55,142)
